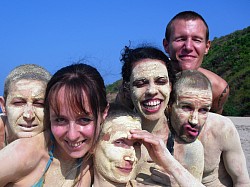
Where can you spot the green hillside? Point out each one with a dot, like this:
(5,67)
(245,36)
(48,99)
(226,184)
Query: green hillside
(229,57)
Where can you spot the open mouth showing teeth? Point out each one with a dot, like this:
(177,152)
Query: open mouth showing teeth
(77,144)
(152,105)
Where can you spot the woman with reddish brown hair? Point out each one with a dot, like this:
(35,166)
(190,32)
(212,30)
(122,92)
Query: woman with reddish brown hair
(75,106)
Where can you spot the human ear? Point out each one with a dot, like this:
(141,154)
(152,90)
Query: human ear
(2,104)
(105,113)
(208,44)
(165,45)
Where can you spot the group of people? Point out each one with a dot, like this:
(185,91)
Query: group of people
(162,130)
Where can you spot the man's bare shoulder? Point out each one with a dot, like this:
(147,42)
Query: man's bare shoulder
(218,124)
(220,90)
(215,79)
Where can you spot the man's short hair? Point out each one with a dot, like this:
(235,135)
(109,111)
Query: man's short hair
(191,79)
(27,72)
(185,15)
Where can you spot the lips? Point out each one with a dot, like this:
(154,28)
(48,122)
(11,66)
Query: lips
(27,127)
(193,132)
(152,105)
(125,170)
(186,56)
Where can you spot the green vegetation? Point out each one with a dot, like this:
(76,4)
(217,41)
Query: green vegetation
(229,57)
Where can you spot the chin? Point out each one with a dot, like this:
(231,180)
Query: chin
(187,139)
(27,134)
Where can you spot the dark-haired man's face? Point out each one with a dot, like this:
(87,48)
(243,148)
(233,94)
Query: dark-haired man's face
(190,111)
(187,45)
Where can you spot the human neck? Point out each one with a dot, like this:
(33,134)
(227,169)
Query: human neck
(61,155)
(157,127)
(175,67)
(9,135)
(100,181)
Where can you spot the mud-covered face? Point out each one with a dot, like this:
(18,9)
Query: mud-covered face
(24,108)
(188,44)
(150,88)
(189,112)
(115,155)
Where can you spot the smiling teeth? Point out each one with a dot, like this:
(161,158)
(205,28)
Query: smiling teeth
(152,103)
(75,144)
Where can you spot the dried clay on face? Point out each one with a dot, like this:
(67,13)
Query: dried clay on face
(109,157)
(151,72)
(27,92)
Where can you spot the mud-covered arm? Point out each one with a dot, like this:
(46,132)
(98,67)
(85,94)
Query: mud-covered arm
(161,156)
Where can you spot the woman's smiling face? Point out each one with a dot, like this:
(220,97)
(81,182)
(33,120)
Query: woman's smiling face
(150,88)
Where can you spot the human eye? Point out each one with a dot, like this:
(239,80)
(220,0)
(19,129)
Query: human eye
(84,120)
(140,83)
(197,40)
(59,120)
(39,103)
(18,102)
(186,108)
(161,81)
(180,39)
(119,142)
(204,110)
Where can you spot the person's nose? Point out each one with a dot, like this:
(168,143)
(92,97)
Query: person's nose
(130,156)
(73,133)
(188,44)
(193,118)
(152,89)
(28,112)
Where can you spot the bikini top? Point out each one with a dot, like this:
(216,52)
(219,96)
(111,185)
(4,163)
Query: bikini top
(41,180)
(170,143)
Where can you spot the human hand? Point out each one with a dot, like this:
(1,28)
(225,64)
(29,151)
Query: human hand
(155,146)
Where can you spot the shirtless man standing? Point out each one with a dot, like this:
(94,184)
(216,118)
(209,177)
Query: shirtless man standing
(187,42)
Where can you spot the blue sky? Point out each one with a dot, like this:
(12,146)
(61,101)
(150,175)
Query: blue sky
(55,33)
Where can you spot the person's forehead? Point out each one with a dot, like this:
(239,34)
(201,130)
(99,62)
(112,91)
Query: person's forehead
(21,82)
(197,21)
(65,103)
(149,67)
(122,123)
(188,92)
(27,85)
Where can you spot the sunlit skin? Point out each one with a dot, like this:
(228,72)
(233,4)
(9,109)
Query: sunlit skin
(150,88)
(24,108)
(188,44)
(73,132)
(116,155)
(190,111)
